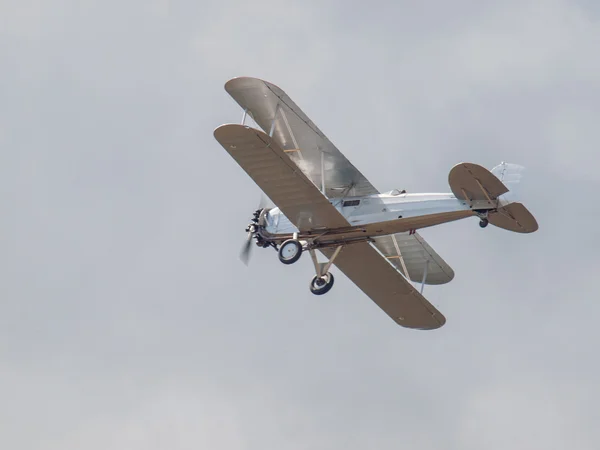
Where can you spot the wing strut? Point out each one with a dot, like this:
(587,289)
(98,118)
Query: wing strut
(424,276)
(274,119)
(400,256)
(287,125)
(323,173)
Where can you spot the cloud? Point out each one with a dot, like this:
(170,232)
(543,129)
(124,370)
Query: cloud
(526,413)
(126,319)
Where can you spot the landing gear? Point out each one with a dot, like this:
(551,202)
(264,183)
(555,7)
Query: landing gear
(323,280)
(483,223)
(321,285)
(290,251)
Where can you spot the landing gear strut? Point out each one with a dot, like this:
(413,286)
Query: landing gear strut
(323,280)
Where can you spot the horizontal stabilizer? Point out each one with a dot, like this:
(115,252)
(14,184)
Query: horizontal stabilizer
(471,182)
(514,217)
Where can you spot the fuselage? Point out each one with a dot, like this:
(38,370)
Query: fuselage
(381,208)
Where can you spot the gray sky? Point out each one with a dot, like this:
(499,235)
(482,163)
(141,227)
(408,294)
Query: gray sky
(126,319)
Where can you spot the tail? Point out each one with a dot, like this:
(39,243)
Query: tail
(502,185)
(511,176)
(511,214)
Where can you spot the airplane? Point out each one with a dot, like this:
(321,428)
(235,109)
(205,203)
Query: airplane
(324,203)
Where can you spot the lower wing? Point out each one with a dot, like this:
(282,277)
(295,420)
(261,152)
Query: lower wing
(377,278)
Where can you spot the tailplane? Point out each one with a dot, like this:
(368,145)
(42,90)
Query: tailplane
(513,217)
(499,187)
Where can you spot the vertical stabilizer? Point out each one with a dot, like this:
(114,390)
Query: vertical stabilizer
(511,176)
(512,215)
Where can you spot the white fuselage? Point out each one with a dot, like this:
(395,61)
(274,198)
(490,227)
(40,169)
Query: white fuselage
(381,208)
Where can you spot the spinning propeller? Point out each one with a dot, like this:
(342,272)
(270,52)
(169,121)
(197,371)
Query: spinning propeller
(246,252)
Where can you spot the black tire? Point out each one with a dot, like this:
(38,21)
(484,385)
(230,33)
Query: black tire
(285,246)
(324,288)
(483,223)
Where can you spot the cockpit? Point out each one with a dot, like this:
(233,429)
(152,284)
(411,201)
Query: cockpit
(395,192)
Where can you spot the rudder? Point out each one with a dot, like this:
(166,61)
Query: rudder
(511,215)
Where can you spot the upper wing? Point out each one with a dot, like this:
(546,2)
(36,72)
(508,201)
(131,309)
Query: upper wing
(268,165)
(299,137)
(410,251)
(377,278)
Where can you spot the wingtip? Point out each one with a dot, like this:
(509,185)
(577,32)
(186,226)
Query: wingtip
(221,131)
(441,321)
(217,130)
(245,82)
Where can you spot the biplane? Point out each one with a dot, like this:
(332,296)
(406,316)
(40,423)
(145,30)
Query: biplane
(324,203)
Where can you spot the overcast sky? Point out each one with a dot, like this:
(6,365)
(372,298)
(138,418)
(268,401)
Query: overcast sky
(127,320)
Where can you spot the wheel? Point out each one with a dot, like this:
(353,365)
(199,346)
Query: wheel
(290,251)
(483,223)
(320,286)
